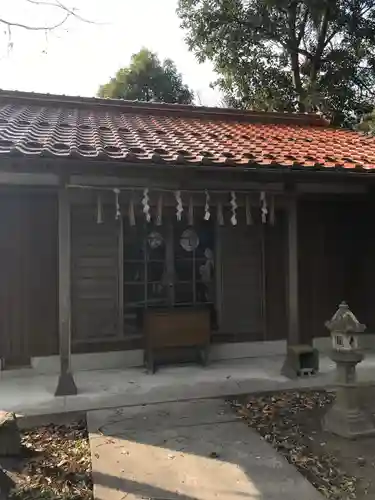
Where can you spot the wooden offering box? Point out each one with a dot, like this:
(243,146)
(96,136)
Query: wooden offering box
(169,330)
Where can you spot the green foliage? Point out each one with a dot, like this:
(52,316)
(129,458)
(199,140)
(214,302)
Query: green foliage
(309,55)
(147,79)
(367,124)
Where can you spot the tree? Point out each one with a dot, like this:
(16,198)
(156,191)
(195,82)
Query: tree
(306,55)
(147,79)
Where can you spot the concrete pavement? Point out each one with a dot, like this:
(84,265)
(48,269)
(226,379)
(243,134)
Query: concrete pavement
(30,395)
(197,450)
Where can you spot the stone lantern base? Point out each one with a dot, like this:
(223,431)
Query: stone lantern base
(346,418)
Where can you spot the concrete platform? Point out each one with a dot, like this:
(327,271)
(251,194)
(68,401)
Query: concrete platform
(30,394)
(197,450)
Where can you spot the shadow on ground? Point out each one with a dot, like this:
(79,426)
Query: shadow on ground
(194,450)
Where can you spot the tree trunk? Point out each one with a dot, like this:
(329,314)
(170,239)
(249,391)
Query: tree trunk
(296,77)
(317,59)
(293,48)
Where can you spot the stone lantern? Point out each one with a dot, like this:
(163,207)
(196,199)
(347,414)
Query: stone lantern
(346,418)
(344,328)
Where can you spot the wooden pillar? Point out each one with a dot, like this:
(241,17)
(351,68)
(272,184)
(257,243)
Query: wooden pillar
(121,278)
(292,279)
(301,359)
(66,385)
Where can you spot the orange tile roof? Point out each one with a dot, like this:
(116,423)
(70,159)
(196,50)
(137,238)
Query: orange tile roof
(125,131)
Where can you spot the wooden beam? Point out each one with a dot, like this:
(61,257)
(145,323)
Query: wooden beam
(292,277)
(66,385)
(332,188)
(29,179)
(173,181)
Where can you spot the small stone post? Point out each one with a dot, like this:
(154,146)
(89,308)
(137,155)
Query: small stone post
(10,446)
(6,484)
(10,439)
(346,418)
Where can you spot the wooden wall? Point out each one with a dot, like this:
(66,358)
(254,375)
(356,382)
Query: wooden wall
(28,275)
(336,237)
(336,249)
(95,283)
(275,266)
(336,262)
(241,287)
(253,282)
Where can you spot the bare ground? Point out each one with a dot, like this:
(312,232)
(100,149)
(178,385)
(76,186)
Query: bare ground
(55,464)
(291,422)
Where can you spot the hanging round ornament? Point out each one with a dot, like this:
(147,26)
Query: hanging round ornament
(189,240)
(155,240)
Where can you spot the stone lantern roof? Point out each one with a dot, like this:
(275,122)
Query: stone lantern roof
(344,321)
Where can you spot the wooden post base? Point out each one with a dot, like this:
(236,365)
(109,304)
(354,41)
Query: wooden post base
(300,360)
(66,385)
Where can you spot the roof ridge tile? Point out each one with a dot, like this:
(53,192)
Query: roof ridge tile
(161,109)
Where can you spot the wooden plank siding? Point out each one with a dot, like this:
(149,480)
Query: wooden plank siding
(335,261)
(275,267)
(241,281)
(363,261)
(95,285)
(28,276)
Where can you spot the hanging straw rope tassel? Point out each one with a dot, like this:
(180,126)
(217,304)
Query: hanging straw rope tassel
(117,203)
(234,206)
(99,209)
(159,211)
(146,205)
(249,216)
(272,211)
(131,212)
(219,213)
(263,207)
(191,212)
(207,213)
(179,208)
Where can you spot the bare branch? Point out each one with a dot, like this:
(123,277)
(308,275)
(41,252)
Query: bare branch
(46,4)
(331,37)
(34,28)
(362,84)
(59,5)
(73,12)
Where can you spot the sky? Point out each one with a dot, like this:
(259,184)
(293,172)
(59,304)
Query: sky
(77,58)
